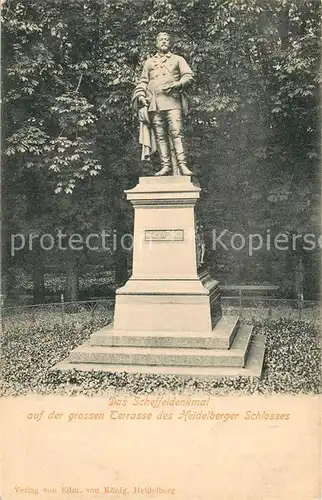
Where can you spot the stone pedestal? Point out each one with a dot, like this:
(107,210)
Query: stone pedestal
(167,318)
(164,292)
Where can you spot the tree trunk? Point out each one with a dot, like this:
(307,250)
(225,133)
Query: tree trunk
(72,277)
(7,274)
(120,266)
(121,254)
(283,27)
(38,274)
(38,285)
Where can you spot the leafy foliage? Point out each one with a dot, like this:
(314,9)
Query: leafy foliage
(69,72)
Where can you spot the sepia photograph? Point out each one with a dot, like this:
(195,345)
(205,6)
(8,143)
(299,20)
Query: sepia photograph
(161,249)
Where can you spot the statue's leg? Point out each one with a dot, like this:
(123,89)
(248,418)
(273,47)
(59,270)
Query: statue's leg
(174,119)
(160,131)
(174,163)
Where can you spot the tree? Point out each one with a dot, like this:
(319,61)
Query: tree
(254,106)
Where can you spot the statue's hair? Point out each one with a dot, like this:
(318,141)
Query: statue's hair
(163,33)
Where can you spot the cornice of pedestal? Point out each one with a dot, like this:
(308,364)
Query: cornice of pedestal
(163,192)
(163,203)
(166,184)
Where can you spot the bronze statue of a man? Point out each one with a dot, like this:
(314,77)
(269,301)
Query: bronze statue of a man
(160,99)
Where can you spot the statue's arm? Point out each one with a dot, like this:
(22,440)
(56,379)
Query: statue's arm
(186,73)
(139,94)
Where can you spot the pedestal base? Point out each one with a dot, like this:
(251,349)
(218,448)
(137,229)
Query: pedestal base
(168,305)
(230,351)
(167,318)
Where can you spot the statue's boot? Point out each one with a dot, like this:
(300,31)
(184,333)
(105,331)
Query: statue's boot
(181,157)
(175,166)
(185,170)
(164,157)
(175,170)
(164,170)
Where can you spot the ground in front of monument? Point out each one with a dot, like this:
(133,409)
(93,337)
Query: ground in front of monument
(169,331)
(292,362)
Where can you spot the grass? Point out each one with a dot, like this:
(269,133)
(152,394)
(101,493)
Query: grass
(292,363)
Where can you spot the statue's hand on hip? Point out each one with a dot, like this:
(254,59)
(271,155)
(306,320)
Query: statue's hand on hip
(142,100)
(172,87)
(143,115)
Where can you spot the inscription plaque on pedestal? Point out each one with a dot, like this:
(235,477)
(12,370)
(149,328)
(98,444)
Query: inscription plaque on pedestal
(164,235)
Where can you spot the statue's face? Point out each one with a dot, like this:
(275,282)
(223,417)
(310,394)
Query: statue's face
(163,42)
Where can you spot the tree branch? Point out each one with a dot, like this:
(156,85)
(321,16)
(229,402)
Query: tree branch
(79,82)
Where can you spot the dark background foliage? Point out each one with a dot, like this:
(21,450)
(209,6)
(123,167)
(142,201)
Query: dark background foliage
(71,140)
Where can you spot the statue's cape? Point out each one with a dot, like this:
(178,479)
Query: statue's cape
(184,102)
(147,140)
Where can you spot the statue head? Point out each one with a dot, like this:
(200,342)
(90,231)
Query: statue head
(163,41)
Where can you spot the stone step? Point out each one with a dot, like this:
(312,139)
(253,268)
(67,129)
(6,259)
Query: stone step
(253,367)
(221,337)
(161,356)
(225,331)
